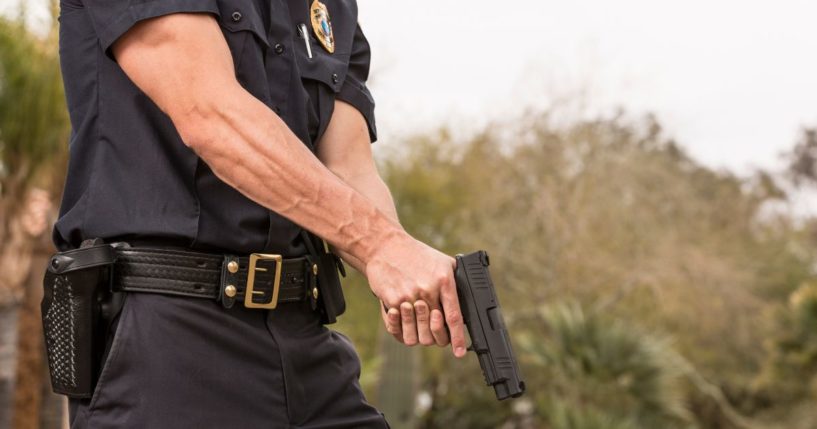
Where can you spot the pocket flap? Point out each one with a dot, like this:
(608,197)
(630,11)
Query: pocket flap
(242,15)
(324,67)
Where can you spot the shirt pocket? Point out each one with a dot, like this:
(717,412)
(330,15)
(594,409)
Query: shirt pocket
(329,69)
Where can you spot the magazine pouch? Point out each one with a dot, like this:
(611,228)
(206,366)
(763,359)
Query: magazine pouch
(330,300)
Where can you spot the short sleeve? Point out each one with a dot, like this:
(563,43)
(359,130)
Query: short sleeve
(354,90)
(112,18)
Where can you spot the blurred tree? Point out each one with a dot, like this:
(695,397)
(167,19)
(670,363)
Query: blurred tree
(803,158)
(33,135)
(605,366)
(790,373)
(397,392)
(610,214)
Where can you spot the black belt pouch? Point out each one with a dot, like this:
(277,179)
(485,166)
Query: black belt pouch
(331,302)
(76,282)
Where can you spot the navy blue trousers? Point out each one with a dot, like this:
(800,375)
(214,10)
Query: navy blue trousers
(177,362)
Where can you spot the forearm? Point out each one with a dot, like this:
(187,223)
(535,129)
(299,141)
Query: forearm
(345,148)
(372,187)
(250,148)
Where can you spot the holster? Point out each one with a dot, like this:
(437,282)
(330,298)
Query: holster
(330,300)
(77,306)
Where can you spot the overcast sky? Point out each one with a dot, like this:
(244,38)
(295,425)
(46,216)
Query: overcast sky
(732,80)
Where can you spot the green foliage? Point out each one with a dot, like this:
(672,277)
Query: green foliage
(33,116)
(794,351)
(801,341)
(614,217)
(608,366)
(564,415)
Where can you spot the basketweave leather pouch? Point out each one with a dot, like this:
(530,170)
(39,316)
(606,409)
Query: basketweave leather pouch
(74,283)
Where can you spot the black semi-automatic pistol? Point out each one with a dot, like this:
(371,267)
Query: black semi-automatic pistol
(486,326)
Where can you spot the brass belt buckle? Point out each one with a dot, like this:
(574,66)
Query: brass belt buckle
(254,258)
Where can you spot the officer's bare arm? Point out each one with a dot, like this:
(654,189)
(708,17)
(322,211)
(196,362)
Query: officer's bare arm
(182,62)
(346,150)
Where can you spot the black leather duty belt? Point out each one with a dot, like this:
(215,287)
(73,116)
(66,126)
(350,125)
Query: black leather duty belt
(258,280)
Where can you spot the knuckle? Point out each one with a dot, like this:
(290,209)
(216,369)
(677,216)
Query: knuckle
(454,317)
(391,301)
(427,299)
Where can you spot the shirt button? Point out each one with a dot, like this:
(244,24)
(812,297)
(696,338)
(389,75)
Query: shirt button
(236,16)
(279,48)
(335,78)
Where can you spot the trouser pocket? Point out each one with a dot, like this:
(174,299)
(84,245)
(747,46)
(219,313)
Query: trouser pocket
(111,347)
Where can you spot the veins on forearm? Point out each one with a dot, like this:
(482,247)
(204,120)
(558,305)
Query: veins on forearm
(291,181)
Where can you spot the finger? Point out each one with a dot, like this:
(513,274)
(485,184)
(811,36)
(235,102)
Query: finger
(438,328)
(393,324)
(391,320)
(409,324)
(423,315)
(453,318)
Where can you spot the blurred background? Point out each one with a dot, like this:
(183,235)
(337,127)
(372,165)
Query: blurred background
(643,174)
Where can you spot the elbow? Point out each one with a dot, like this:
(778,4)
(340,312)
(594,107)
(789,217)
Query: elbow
(208,116)
(197,124)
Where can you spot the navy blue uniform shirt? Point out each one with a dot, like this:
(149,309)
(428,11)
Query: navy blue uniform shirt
(130,176)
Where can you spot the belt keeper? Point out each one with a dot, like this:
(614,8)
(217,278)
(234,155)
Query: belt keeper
(228,288)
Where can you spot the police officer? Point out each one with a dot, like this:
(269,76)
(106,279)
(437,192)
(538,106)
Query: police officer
(221,130)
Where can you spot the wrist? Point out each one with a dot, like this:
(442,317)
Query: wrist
(382,239)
